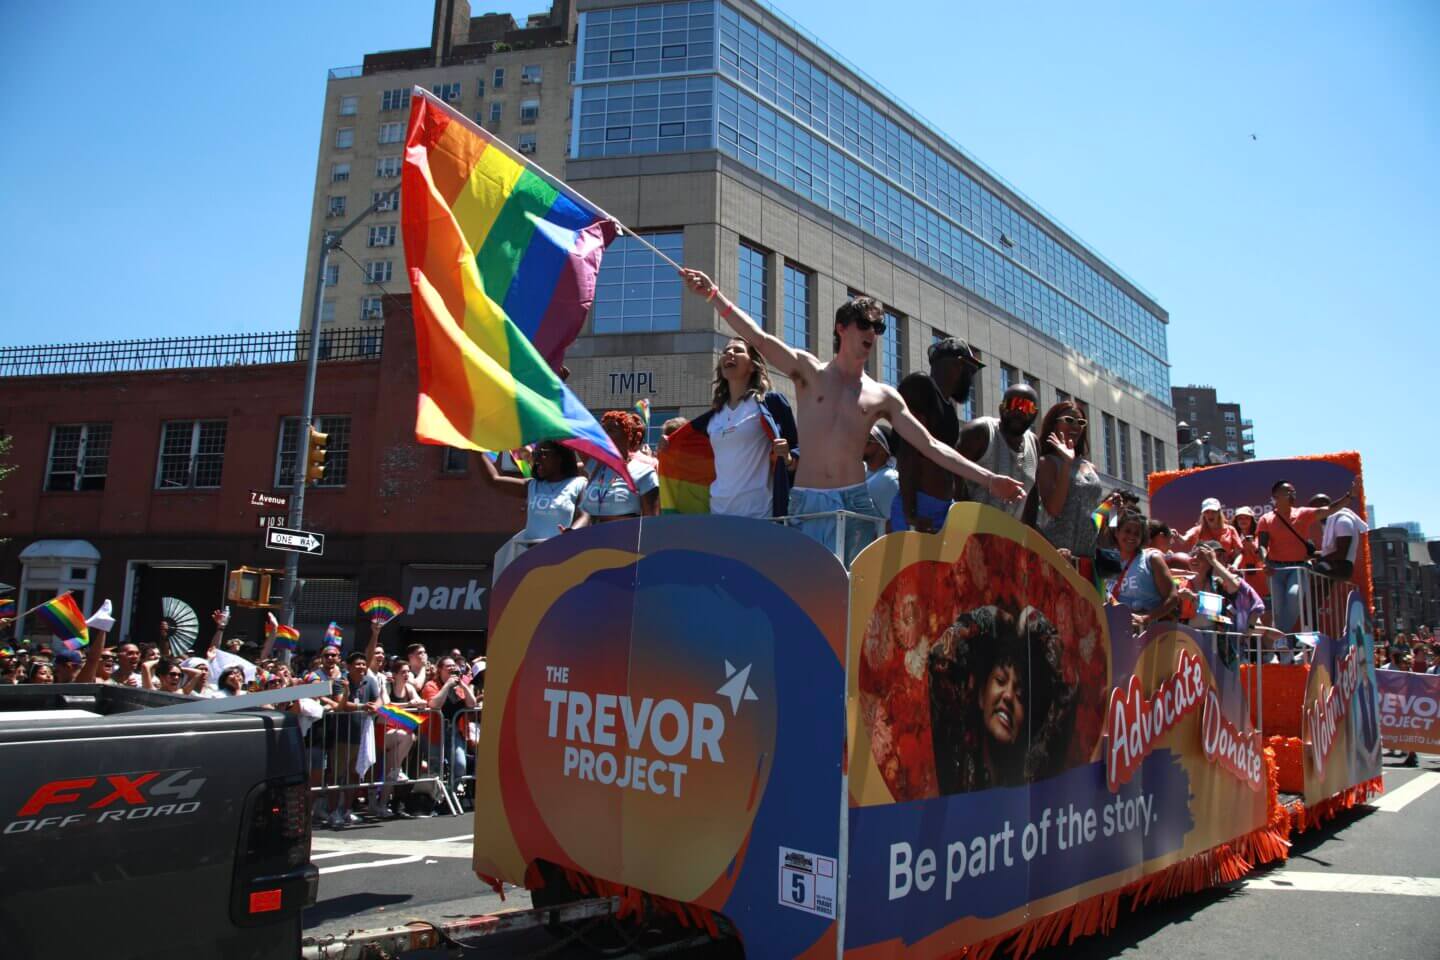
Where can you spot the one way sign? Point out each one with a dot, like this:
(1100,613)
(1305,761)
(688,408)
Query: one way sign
(295,541)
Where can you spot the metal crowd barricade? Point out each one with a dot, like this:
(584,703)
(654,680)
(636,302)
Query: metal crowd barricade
(463,735)
(355,756)
(853,531)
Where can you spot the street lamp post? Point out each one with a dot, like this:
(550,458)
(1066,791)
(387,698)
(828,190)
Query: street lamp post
(329,240)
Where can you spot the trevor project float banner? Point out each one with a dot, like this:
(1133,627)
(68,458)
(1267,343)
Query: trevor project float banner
(1339,722)
(1014,751)
(665,711)
(1409,710)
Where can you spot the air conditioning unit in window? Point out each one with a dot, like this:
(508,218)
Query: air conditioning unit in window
(527,148)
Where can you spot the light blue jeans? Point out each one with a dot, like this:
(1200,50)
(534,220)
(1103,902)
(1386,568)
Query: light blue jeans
(1285,598)
(855,499)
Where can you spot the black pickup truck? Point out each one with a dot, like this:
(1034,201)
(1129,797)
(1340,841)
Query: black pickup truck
(128,830)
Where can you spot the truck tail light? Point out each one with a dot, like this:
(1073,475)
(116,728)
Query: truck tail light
(273,874)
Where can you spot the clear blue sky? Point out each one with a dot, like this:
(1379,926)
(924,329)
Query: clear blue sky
(1298,268)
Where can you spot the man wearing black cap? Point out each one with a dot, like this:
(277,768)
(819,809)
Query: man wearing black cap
(926,490)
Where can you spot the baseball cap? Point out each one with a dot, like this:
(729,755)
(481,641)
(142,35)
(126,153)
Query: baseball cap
(68,656)
(953,347)
(1245,512)
(1209,503)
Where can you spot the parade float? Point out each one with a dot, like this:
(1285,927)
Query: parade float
(950,749)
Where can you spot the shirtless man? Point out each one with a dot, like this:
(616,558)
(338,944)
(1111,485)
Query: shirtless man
(836,405)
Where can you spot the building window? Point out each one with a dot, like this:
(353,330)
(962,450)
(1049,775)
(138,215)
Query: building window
(1229,416)
(1110,464)
(497,80)
(636,291)
(337,451)
(1009,376)
(530,73)
(79,457)
(372,308)
(344,138)
(1159,455)
(626,55)
(397,99)
(799,284)
(388,200)
(382,236)
(378,271)
(349,106)
(754,286)
(646,116)
(387,166)
(392,132)
(1147,457)
(672,50)
(479,86)
(617,133)
(571,71)
(1033,381)
(335,207)
(455,460)
(1124,429)
(327,311)
(332,274)
(529,111)
(527,143)
(1230,433)
(651,39)
(892,349)
(339,172)
(449,92)
(192,454)
(1061,396)
(496,110)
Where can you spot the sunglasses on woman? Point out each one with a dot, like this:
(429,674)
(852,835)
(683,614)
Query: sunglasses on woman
(1080,422)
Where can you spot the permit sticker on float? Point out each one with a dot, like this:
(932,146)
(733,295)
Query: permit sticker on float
(807,882)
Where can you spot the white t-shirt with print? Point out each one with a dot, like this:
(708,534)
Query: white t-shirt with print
(742,461)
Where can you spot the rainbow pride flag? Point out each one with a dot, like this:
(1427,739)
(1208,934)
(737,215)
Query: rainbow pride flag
(65,620)
(382,609)
(642,410)
(399,717)
(687,468)
(7,608)
(502,271)
(286,637)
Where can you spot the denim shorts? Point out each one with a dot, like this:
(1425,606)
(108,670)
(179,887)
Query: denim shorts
(855,499)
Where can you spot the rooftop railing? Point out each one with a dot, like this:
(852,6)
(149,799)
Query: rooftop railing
(181,353)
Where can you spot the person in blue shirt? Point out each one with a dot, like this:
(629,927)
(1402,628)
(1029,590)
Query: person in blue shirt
(607,495)
(552,491)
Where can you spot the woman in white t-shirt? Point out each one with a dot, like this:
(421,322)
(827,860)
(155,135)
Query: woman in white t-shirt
(552,492)
(607,495)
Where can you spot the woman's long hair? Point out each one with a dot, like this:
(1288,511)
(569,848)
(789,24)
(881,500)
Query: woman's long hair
(1030,513)
(960,665)
(759,377)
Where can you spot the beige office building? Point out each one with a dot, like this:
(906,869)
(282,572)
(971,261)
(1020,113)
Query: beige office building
(739,146)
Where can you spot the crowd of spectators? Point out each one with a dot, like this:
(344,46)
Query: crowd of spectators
(357,758)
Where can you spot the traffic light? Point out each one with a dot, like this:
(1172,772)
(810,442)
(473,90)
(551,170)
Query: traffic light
(315,455)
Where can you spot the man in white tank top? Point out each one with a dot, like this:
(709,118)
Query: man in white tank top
(1005,445)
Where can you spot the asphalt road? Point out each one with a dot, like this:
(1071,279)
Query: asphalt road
(1368,885)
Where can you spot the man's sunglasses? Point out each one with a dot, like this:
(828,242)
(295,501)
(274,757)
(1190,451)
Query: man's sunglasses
(865,323)
(1022,406)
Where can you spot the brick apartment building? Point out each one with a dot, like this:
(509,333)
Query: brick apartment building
(136,461)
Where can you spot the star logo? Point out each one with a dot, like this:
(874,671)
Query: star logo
(736,686)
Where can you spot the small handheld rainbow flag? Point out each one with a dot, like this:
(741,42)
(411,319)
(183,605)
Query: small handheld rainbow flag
(333,635)
(1101,516)
(65,620)
(382,609)
(7,608)
(286,637)
(642,407)
(399,717)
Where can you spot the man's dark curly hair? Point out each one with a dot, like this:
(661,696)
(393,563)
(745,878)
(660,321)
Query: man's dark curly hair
(960,664)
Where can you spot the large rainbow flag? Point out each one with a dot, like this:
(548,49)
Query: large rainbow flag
(502,270)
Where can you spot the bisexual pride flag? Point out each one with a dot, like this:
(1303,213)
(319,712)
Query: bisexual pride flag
(502,268)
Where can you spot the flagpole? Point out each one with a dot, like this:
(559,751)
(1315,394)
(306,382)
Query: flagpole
(37,606)
(549,177)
